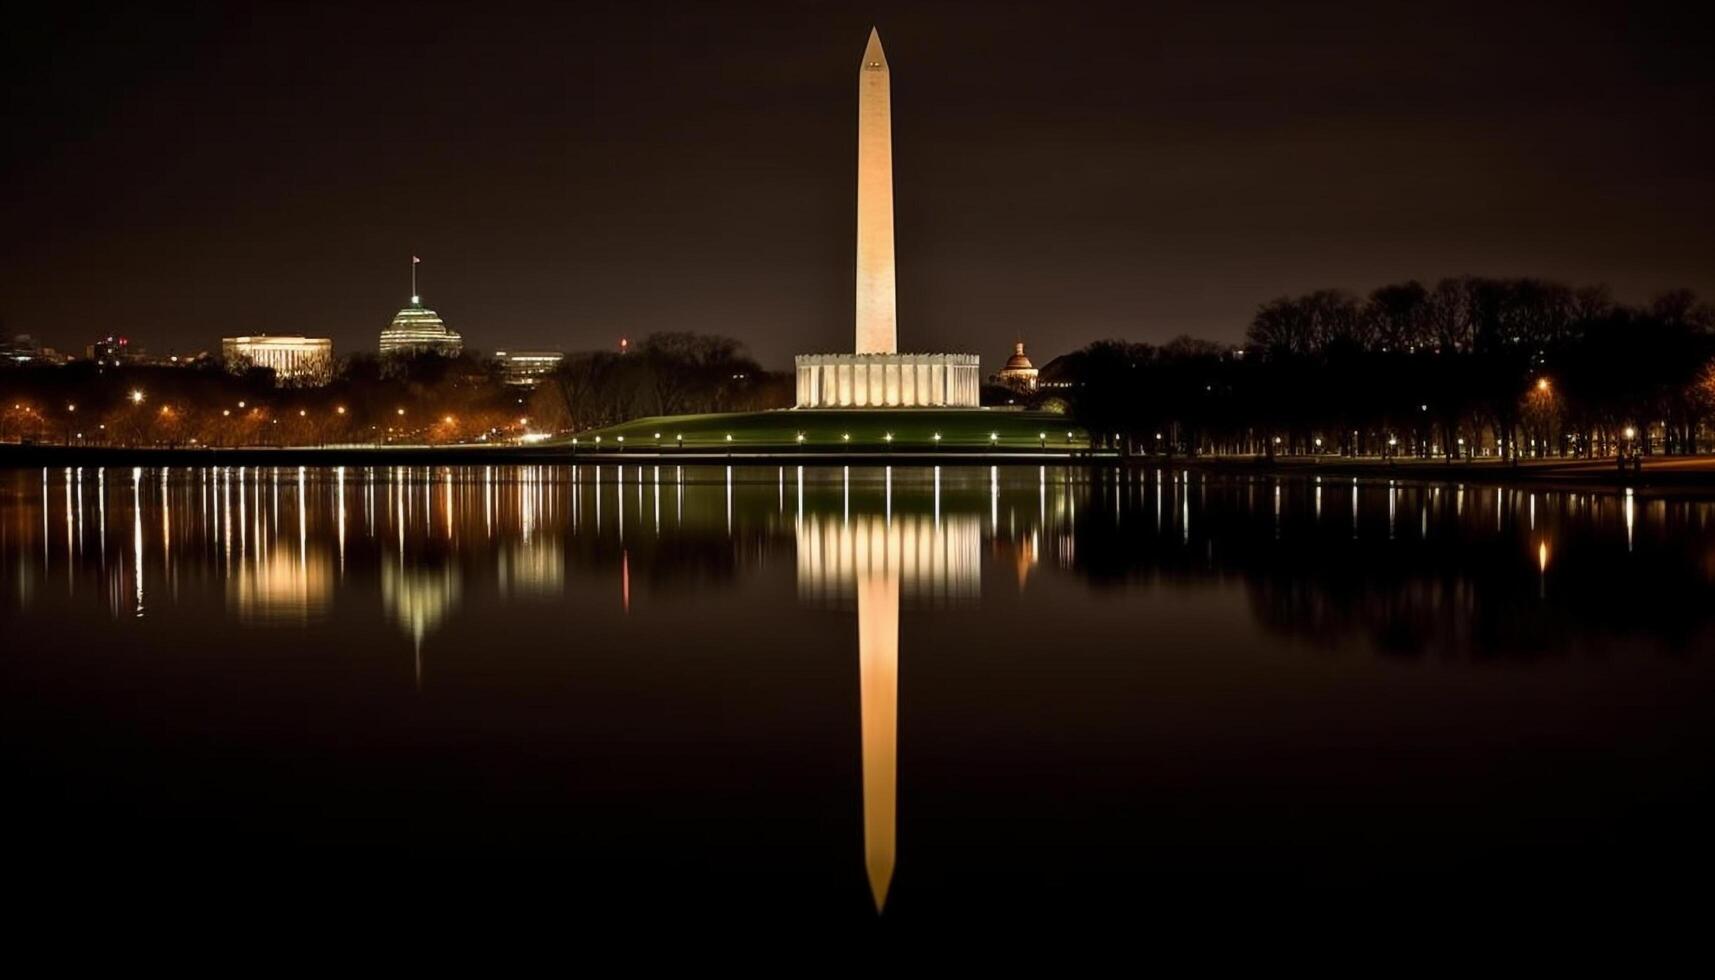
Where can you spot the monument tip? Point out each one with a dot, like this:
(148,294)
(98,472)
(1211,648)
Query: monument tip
(873,57)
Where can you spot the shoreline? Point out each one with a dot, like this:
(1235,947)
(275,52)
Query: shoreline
(1658,473)
(558,454)
(1696,472)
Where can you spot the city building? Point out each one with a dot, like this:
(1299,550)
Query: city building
(295,360)
(109,351)
(527,368)
(1019,374)
(23,349)
(416,329)
(875,374)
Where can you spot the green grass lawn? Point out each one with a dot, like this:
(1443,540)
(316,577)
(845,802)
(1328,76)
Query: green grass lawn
(829,429)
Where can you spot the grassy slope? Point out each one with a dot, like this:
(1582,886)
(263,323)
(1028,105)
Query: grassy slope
(822,429)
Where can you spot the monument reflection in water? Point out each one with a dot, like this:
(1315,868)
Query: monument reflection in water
(877,559)
(1106,672)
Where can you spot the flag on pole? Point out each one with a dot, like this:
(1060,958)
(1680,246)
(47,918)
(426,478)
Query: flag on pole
(415,260)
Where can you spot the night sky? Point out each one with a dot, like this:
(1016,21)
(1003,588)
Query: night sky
(572,173)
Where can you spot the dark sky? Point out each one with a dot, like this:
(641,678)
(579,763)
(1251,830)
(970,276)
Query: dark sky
(571,173)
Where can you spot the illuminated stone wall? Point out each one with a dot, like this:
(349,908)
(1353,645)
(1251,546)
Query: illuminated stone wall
(888,381)
(302,360)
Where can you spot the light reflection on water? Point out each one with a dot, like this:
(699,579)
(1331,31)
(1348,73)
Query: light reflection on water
(870,559)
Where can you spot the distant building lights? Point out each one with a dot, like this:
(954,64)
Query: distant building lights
(136,396)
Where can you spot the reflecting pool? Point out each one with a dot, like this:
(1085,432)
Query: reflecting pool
(839,692)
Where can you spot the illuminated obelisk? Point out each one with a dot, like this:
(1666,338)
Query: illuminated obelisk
(877,319)
(875,374)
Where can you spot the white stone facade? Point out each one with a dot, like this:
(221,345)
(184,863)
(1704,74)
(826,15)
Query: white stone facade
(888,381)
(295,360)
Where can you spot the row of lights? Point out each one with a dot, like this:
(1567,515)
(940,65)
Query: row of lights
(994,437)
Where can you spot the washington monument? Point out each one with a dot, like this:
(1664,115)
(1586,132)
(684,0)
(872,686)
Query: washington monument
(874,374)
(877,320)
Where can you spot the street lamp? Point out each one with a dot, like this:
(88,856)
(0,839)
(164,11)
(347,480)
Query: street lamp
(136,396)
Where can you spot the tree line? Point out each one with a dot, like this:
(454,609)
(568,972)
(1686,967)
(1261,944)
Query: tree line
(1470,366)
(672,373)
(414,399)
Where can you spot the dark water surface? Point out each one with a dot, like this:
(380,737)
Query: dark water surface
(1020,690)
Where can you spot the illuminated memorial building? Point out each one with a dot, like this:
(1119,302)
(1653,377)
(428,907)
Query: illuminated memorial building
(875,374)
(294,360)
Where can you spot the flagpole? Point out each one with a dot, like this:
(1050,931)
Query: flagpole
(413,278)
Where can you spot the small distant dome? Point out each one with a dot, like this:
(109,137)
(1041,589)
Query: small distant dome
(1018,362)
(1019,373)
